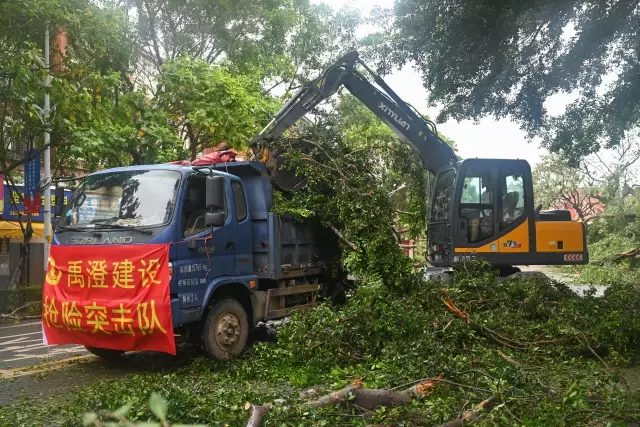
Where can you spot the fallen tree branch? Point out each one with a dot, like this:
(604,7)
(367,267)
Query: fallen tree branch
(422,380)
(27,158)
(507,359)
(13,316)
(501,339)
(258,413)
(8,316)
(373,398)
(626,254)
(605,364)
(471,415)
(335,397)
(309,393)
(367,399)
(344,239)
(619,257)
(406,213)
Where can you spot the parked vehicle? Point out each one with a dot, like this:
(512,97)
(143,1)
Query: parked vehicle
(233,261)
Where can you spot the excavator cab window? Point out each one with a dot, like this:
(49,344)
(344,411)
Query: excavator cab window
(512,201)
(442,196)
(477,204)
(440,217)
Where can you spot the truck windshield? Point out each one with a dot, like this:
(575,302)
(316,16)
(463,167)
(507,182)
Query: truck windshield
(130,199)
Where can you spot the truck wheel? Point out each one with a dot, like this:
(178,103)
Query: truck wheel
(226,329)
(339,295)
(105,353)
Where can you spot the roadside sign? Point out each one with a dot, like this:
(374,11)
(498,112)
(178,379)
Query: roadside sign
(13,208)
(32,202)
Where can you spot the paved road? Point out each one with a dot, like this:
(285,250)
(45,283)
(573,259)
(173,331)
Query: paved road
(21,345)
(28,368)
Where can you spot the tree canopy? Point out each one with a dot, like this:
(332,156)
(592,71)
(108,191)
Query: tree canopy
(96,58)
(482,58)
(279,40)
(209,105)
(600,181)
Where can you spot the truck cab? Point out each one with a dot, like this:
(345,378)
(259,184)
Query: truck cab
(231,267)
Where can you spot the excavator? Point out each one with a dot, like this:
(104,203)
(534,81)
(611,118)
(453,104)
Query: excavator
(479,208)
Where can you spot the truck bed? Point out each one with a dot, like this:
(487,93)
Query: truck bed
(295,249)
(282,247)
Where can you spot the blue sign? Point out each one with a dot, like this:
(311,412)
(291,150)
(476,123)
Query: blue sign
(31,179)
(11,213)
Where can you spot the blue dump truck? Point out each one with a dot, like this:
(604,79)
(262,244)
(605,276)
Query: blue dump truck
(233,262)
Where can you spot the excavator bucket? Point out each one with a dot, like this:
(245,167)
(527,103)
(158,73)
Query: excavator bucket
(281,175)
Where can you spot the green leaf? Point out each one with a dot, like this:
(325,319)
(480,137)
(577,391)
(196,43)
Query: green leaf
(89,418)
(158,406)
(123,411)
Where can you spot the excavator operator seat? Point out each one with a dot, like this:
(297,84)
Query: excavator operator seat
(509,204)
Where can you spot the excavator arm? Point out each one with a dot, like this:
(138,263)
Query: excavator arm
(405,121)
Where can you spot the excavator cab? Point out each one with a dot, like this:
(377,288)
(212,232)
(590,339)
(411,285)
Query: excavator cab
(484,208)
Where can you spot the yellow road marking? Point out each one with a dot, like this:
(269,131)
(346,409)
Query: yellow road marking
(48,366)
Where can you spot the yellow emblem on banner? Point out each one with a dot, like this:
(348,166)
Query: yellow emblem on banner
(54,274)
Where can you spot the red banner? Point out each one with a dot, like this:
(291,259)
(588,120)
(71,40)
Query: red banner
(32,205)
(114,297)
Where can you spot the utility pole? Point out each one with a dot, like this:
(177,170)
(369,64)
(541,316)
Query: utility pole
(47,152)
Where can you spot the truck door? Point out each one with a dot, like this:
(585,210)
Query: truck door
(242,224)
(202,256)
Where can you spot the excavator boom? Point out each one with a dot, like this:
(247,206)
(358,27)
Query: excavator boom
(407,123)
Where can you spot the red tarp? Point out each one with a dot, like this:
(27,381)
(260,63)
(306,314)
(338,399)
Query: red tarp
(114,297)
(209,159)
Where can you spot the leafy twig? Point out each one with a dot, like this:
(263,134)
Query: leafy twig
(344,239)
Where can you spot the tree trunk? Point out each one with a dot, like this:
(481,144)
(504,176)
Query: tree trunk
(193,147)
(21,275)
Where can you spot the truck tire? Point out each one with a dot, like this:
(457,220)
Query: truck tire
(339,295)
(105,353)
(226,329)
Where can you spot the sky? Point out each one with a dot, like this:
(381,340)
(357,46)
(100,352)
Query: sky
(489,138)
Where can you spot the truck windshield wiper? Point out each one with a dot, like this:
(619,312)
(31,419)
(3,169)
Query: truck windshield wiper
(72,228)
(122,227)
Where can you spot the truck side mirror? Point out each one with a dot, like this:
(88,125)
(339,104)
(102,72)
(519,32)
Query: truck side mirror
(215,193)
(214,219)
(59,206)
